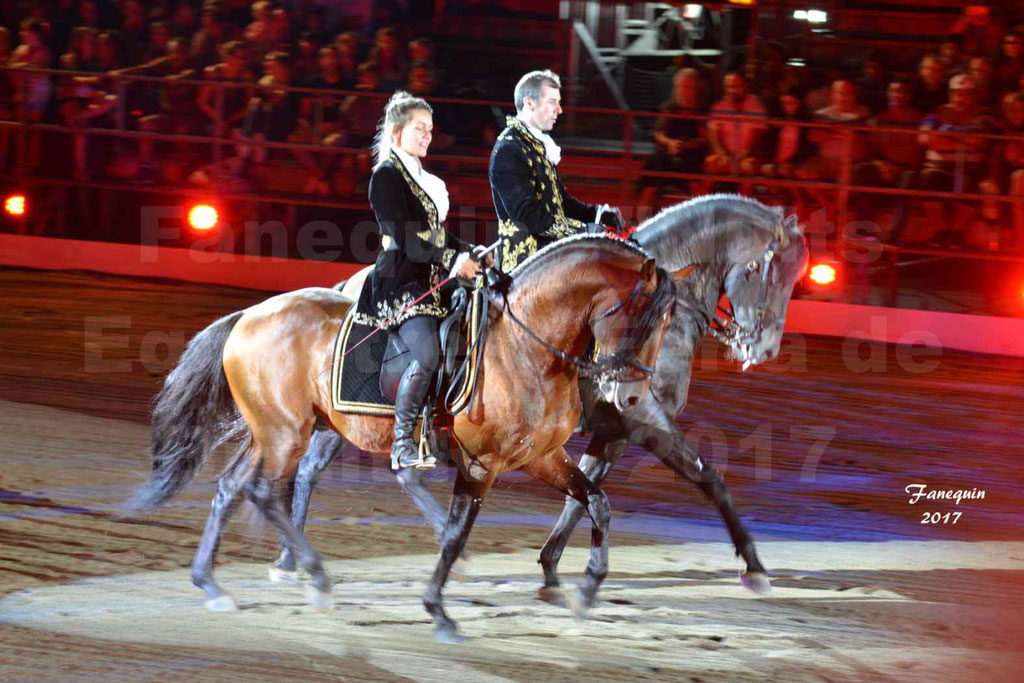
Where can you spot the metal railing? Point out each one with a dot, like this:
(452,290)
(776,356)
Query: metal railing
(627,123)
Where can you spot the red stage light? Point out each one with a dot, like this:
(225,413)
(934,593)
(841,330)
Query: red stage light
(14,205)
(823,274)
(202,217)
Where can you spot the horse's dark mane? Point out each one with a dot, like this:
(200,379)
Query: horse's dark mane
(701,217)
(542,256)
(657,301)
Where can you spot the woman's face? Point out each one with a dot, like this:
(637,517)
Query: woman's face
(87,46)
(414,137)
(1013,46)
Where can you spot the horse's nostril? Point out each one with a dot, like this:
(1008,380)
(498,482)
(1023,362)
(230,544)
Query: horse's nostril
(632,401)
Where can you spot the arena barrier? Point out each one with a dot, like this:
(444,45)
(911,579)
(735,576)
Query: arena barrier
(974,333)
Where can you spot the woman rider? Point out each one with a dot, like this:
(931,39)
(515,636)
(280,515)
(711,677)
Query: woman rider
(417,253)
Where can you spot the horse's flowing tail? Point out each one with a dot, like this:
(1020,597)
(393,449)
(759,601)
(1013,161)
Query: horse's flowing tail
(193,414)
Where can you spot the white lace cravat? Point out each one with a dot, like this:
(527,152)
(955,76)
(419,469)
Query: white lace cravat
(430,183)
(551,149)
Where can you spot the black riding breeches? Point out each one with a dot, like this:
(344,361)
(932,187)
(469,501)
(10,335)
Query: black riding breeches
(420,335)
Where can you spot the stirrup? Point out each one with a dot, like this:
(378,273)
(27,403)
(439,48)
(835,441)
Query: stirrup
(426,461)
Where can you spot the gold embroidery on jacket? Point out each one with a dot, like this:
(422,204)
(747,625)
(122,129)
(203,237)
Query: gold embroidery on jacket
(434,234)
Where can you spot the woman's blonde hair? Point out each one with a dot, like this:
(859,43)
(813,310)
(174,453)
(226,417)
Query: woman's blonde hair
(397,113)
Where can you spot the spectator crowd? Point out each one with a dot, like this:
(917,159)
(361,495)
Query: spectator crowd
(222,68)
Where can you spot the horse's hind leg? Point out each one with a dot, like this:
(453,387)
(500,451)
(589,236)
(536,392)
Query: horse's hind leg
(561,473)
(324,446)
(267,498)
(224,504)
(606,452)
(467,497)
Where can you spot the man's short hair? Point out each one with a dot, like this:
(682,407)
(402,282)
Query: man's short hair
(530,86)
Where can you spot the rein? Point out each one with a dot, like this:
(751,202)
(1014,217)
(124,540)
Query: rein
(611,366)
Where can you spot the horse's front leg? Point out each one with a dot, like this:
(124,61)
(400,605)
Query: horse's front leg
(467,497)
(324,446)
(602,454)
(660,435)
(558,471)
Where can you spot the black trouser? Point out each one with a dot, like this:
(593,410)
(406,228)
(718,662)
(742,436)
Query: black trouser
(420,335)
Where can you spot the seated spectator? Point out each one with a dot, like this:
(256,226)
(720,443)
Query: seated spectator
(7,100)
(889,154)
(348,57)
(392,69)
(362,112)
(88,14)
(827,164)
(929,89)
(421,51)
(680,145)
(273,113)
(159,35)
(236,99)
(734,144)
(281,30)
(182,19)
(1009,66)
(176,113)
(134,34)
(33,92)
(979,69)
(951,54)
(306,63)
(821,96)
(321,122)
(954,163)
(259,33)
(205,47)
(108,51)
(873,82)
(83,99)
(978,29)
(787,146)
(1008,176)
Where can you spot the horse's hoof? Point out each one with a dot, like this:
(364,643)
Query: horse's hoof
(322,601)
(757,582)
(278,575)
(578,602)
(449,635)
(221,603)
(553,595)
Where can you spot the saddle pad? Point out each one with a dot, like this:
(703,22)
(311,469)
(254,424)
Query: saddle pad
(355,375)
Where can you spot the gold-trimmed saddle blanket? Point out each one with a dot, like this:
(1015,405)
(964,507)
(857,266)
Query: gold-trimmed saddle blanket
(355,374)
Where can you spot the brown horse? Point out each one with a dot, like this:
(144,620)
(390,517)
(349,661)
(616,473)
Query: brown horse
(263,375)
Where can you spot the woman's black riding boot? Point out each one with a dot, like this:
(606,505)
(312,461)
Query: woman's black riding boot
(412,390)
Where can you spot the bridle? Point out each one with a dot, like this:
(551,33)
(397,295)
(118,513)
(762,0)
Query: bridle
(608,367)
(727,329)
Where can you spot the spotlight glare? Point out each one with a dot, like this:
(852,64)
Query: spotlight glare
(14,205)
(823,274)
(202,217)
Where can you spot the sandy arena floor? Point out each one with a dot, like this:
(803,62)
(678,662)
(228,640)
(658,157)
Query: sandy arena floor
(817,450)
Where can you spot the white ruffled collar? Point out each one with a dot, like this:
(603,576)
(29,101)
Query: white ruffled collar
(428,182)
(551,150)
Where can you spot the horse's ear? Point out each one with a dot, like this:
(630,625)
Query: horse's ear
(649,271)
(684,272)
(782,233)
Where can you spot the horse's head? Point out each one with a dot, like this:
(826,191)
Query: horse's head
(759,279)
(629,328)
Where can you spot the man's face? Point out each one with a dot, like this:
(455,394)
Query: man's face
(844,95)
(980,70)
(687,89)
(961,98)
(328,59)
(735,87)
(931,71)
(545,111)
(898,95)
